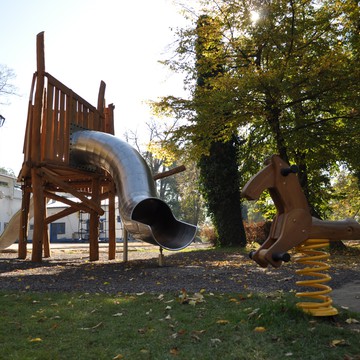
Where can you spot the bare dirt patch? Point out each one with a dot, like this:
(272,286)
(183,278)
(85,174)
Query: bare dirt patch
(196,268)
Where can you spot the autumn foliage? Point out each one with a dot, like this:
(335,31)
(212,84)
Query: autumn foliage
(255,232)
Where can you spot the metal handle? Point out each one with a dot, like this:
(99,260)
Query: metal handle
(285,257)
(293,169)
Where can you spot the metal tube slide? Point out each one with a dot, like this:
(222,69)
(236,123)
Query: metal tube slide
(146,217)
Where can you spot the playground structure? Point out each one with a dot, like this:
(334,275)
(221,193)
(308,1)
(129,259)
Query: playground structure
(294,227)
(70,148)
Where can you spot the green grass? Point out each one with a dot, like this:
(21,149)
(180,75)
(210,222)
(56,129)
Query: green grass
(238,326)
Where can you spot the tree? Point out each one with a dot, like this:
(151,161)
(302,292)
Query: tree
(179,191)
(219,175)
(7,171)
(290,85)
(346,201)
(7,88)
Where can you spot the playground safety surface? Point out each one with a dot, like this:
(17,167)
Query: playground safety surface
(220,271)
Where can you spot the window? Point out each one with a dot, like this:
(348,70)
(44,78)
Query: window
(60,227)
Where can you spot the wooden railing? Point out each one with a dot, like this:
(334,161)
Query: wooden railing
(53,108)
(60,108)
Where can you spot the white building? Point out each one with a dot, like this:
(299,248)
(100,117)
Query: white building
(74,227)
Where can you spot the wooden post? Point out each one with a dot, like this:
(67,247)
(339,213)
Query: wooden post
(36,179)
(46,242)
(101,97)
(37,113)
(112,223)
(125,245)
(161,257)
(94,221)
(24,221)
(39,215)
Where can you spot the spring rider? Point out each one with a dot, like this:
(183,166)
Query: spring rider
(294,227)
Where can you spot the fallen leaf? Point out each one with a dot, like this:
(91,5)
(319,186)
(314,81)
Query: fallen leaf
(260,329)
(253,313)
(174,351)
(183,296)
(198,332)
(352,321)
(118,357)
(54,327)
(37,339)
(338,342)
(192,300)
(215,341)
(93,327)
(222,322)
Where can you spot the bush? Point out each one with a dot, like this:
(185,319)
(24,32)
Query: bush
(208,233)
(257,232)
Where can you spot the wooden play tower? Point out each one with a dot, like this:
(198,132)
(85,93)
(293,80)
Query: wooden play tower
(47,171)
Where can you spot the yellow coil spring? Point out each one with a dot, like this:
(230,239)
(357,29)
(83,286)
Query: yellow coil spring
(313,259)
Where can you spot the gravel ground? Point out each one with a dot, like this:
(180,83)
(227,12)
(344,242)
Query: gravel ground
(215,271)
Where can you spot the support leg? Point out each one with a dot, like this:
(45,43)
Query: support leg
(161,257)
(112,235)
(94,222)
(39,215)
(24,221)
(125,245)
(46,242)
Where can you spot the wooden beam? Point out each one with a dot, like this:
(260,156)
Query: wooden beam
(49,175)
(60,215)
(75,205)
(170,172)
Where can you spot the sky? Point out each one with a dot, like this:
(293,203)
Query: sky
(86,41)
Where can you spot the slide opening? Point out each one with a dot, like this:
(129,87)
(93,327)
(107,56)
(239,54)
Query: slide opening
(167,231)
